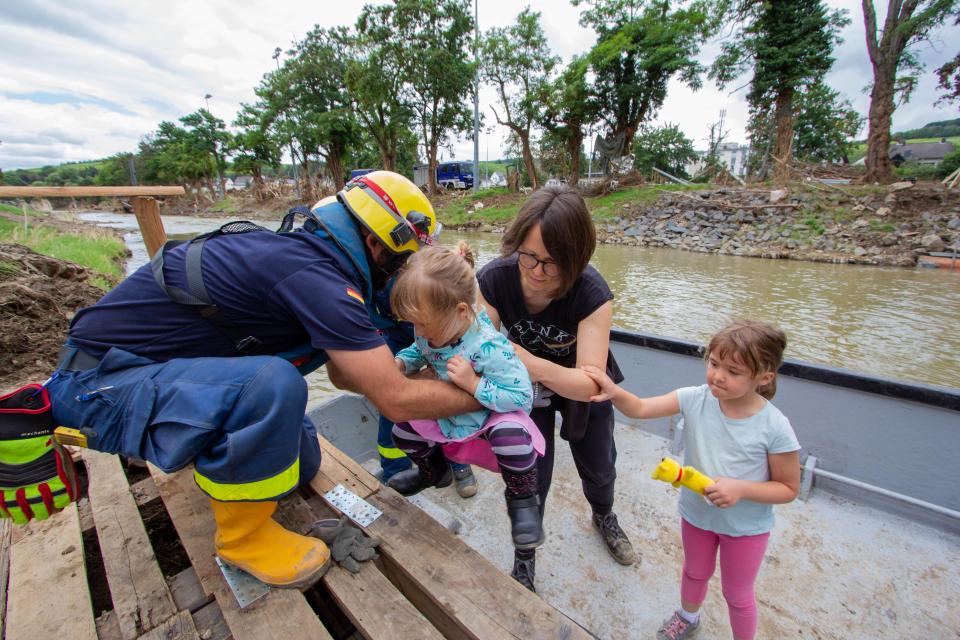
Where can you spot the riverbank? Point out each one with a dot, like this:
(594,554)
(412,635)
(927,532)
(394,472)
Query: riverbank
(49,268)
(890,225)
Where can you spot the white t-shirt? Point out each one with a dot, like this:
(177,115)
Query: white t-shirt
(721,446)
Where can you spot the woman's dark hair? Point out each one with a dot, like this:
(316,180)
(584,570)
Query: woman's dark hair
(566,227)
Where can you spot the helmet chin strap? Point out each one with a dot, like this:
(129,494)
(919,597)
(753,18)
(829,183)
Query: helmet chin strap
(381,273)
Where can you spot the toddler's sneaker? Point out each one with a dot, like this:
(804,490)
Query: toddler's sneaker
(676,628)
(466,481)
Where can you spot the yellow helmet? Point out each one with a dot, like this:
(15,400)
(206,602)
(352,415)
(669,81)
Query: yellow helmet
(393,209)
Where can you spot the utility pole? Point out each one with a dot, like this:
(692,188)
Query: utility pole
(476,100)
(293,158)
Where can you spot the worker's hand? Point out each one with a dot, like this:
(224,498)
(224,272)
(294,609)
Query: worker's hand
(608,388)
(461,373)
(725,492)
(36,472)
(349,546)
(400,365)
(542,396)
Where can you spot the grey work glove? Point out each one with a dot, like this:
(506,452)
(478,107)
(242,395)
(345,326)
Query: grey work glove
(541,395)
(349,546)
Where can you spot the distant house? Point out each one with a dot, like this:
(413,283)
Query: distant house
(242,182)
(732,155)
(920,152)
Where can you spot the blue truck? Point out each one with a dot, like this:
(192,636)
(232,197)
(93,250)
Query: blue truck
(450,175)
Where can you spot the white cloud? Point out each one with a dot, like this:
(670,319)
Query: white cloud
(87,79)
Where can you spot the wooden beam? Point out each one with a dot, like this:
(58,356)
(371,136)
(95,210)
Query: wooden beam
(393,617)
(336,467)
(456,588)
(49,597)
(179,627)
(5,525)
(140,594)
(88,192)
(147,212)
(283,613)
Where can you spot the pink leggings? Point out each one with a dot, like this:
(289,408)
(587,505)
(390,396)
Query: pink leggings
(740,559)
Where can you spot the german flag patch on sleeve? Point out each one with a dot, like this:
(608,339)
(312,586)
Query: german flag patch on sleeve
(353,294)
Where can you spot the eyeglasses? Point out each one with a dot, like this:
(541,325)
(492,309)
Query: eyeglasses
(530,261)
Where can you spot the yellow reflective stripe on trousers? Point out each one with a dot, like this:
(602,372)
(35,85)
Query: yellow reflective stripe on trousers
(390,452)
(265,489)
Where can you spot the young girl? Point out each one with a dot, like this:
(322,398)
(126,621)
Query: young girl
(437,292)
(733,434)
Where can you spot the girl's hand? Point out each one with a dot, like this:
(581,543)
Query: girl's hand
(725,492)
(461,373)
(608,388)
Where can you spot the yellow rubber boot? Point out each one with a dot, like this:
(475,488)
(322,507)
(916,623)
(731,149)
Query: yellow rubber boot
(248,538)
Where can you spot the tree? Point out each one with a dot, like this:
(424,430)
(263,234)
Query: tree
(663,147)
(948,76)
(174,155)
(516,61)
(253,148)
(641,45)
(788,44)
(210,131)
(895,68)
(570,107)
(319,105)
(375,75)
(439,73)
(824,127)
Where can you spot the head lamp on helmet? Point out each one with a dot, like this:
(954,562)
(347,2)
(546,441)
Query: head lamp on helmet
(393,209)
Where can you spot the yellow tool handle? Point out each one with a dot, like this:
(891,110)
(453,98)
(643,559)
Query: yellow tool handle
(73,437)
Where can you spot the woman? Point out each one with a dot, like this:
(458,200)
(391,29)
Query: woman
(558,311)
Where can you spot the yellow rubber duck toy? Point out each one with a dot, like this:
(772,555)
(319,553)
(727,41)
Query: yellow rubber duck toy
(669,470)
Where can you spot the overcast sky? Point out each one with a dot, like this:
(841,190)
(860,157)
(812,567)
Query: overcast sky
(85,79)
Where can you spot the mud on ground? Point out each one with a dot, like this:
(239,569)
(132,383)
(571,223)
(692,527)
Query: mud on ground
(38,297)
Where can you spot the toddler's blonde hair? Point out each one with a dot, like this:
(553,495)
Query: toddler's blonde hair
(434,281)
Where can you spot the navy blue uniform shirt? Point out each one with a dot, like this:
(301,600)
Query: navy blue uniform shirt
(284,289)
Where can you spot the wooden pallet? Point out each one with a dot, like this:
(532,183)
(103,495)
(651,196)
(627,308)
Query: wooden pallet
(428,584)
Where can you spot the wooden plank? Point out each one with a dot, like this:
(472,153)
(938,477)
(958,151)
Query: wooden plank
(210,623)
(457,589)
(337,467)
(108,628)
(82,192)
(48,595)
(283,613)
(392,618)
(144,491)
(141,598)
(179,627)
(187,591)
(5,541)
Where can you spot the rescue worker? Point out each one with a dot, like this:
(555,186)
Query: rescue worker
(198,358)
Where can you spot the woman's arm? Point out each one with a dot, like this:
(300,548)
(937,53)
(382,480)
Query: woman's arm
(782,487)
(593,344)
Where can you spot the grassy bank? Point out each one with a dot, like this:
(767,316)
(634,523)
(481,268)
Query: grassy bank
(102,252)
(501,206)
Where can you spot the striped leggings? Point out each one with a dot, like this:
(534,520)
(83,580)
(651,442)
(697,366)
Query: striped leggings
(510,442)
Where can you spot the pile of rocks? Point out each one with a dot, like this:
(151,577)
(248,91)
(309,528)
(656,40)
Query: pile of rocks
(879,228)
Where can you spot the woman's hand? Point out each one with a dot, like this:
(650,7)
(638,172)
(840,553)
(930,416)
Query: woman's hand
(608,388)
(461,373)
(725,492)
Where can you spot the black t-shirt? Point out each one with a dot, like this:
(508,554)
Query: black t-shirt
(285,289)
(551,333)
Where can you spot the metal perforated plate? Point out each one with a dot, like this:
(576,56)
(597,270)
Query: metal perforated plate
(246,589)
(352,505)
